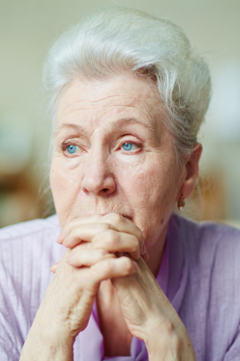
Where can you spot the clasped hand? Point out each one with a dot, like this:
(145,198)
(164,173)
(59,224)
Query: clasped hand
(110,247)
(99,248)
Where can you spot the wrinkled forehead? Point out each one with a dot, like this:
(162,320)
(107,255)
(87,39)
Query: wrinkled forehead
(107,101)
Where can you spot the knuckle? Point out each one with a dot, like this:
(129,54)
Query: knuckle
(127,264)
(112,238)
(135,243)
(107,266)
(75,230)
(102,253)
(139,234)
(114,218)
(93,217)
(104,227)
(74,233)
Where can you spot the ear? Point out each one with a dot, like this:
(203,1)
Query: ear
(191,171)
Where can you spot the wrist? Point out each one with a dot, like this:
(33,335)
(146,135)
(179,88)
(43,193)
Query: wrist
(45,342)
(43,346)
(171,343)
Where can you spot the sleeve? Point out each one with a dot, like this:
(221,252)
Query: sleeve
(233,352)
(12,316)
(10,339)
(26,252)
(8,350)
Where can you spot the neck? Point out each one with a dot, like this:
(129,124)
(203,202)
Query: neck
(156,252)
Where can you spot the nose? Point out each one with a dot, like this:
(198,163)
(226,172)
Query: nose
(98,178)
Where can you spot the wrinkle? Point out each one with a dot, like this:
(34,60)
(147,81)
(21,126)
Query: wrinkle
(77,127)
(114,124)
(104,106)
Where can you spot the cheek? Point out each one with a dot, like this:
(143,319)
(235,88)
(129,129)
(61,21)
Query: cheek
(63,178)
(57,180)
(151,185)
(152,193)
(63,189)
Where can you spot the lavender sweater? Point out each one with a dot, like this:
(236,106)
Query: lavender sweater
(199,273)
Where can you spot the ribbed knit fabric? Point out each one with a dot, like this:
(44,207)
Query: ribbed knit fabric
(200,274)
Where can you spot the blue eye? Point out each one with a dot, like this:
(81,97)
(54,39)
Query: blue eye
(71,149)
(127,146)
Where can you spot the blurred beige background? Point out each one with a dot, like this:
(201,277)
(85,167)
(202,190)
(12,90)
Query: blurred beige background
(28,28)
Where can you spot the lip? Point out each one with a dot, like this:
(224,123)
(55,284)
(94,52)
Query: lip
(105,213)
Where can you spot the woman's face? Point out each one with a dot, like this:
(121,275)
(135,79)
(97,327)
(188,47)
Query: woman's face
(113,153)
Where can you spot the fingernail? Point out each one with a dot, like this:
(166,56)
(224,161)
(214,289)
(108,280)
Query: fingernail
(134,267)
(144,248)
(60,239)
(145,256)
(137,254)
(66,241)
(53,268)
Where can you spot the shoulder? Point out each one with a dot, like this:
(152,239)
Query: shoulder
(212,252)
(28,249)
(29,228)
(207,237)
(30,239)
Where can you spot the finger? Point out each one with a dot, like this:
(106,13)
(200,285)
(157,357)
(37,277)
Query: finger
(81,257)
(113,268)
(83,229)
(75,223)
(145,256)
(84,232)
(54,267)
(113,241)
(123,224)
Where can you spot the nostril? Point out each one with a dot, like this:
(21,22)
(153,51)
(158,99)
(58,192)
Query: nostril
(101,185)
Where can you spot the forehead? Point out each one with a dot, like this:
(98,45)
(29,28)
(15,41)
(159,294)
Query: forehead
(126,96)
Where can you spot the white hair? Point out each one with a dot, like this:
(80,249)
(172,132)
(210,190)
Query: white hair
(115,40)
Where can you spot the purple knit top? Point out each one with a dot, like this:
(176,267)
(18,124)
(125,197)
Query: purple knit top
(199,273)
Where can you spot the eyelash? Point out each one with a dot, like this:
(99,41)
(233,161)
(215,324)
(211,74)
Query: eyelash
(65,145)
(133,144)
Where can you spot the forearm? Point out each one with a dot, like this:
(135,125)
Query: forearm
(43,346)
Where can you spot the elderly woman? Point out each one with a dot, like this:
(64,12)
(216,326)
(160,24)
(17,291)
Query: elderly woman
(132,280)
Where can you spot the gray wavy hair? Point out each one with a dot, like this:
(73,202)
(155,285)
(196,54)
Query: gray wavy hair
(115,40)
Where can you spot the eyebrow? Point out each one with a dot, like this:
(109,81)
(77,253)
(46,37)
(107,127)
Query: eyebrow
(77,128)
(119,122)
(124,121)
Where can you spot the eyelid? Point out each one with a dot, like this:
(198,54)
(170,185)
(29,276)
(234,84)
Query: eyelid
(131,138)
(64,146)
(134,144)
(138,144)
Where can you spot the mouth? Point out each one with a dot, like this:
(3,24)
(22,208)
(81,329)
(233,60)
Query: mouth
(121,214)
(130,219)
